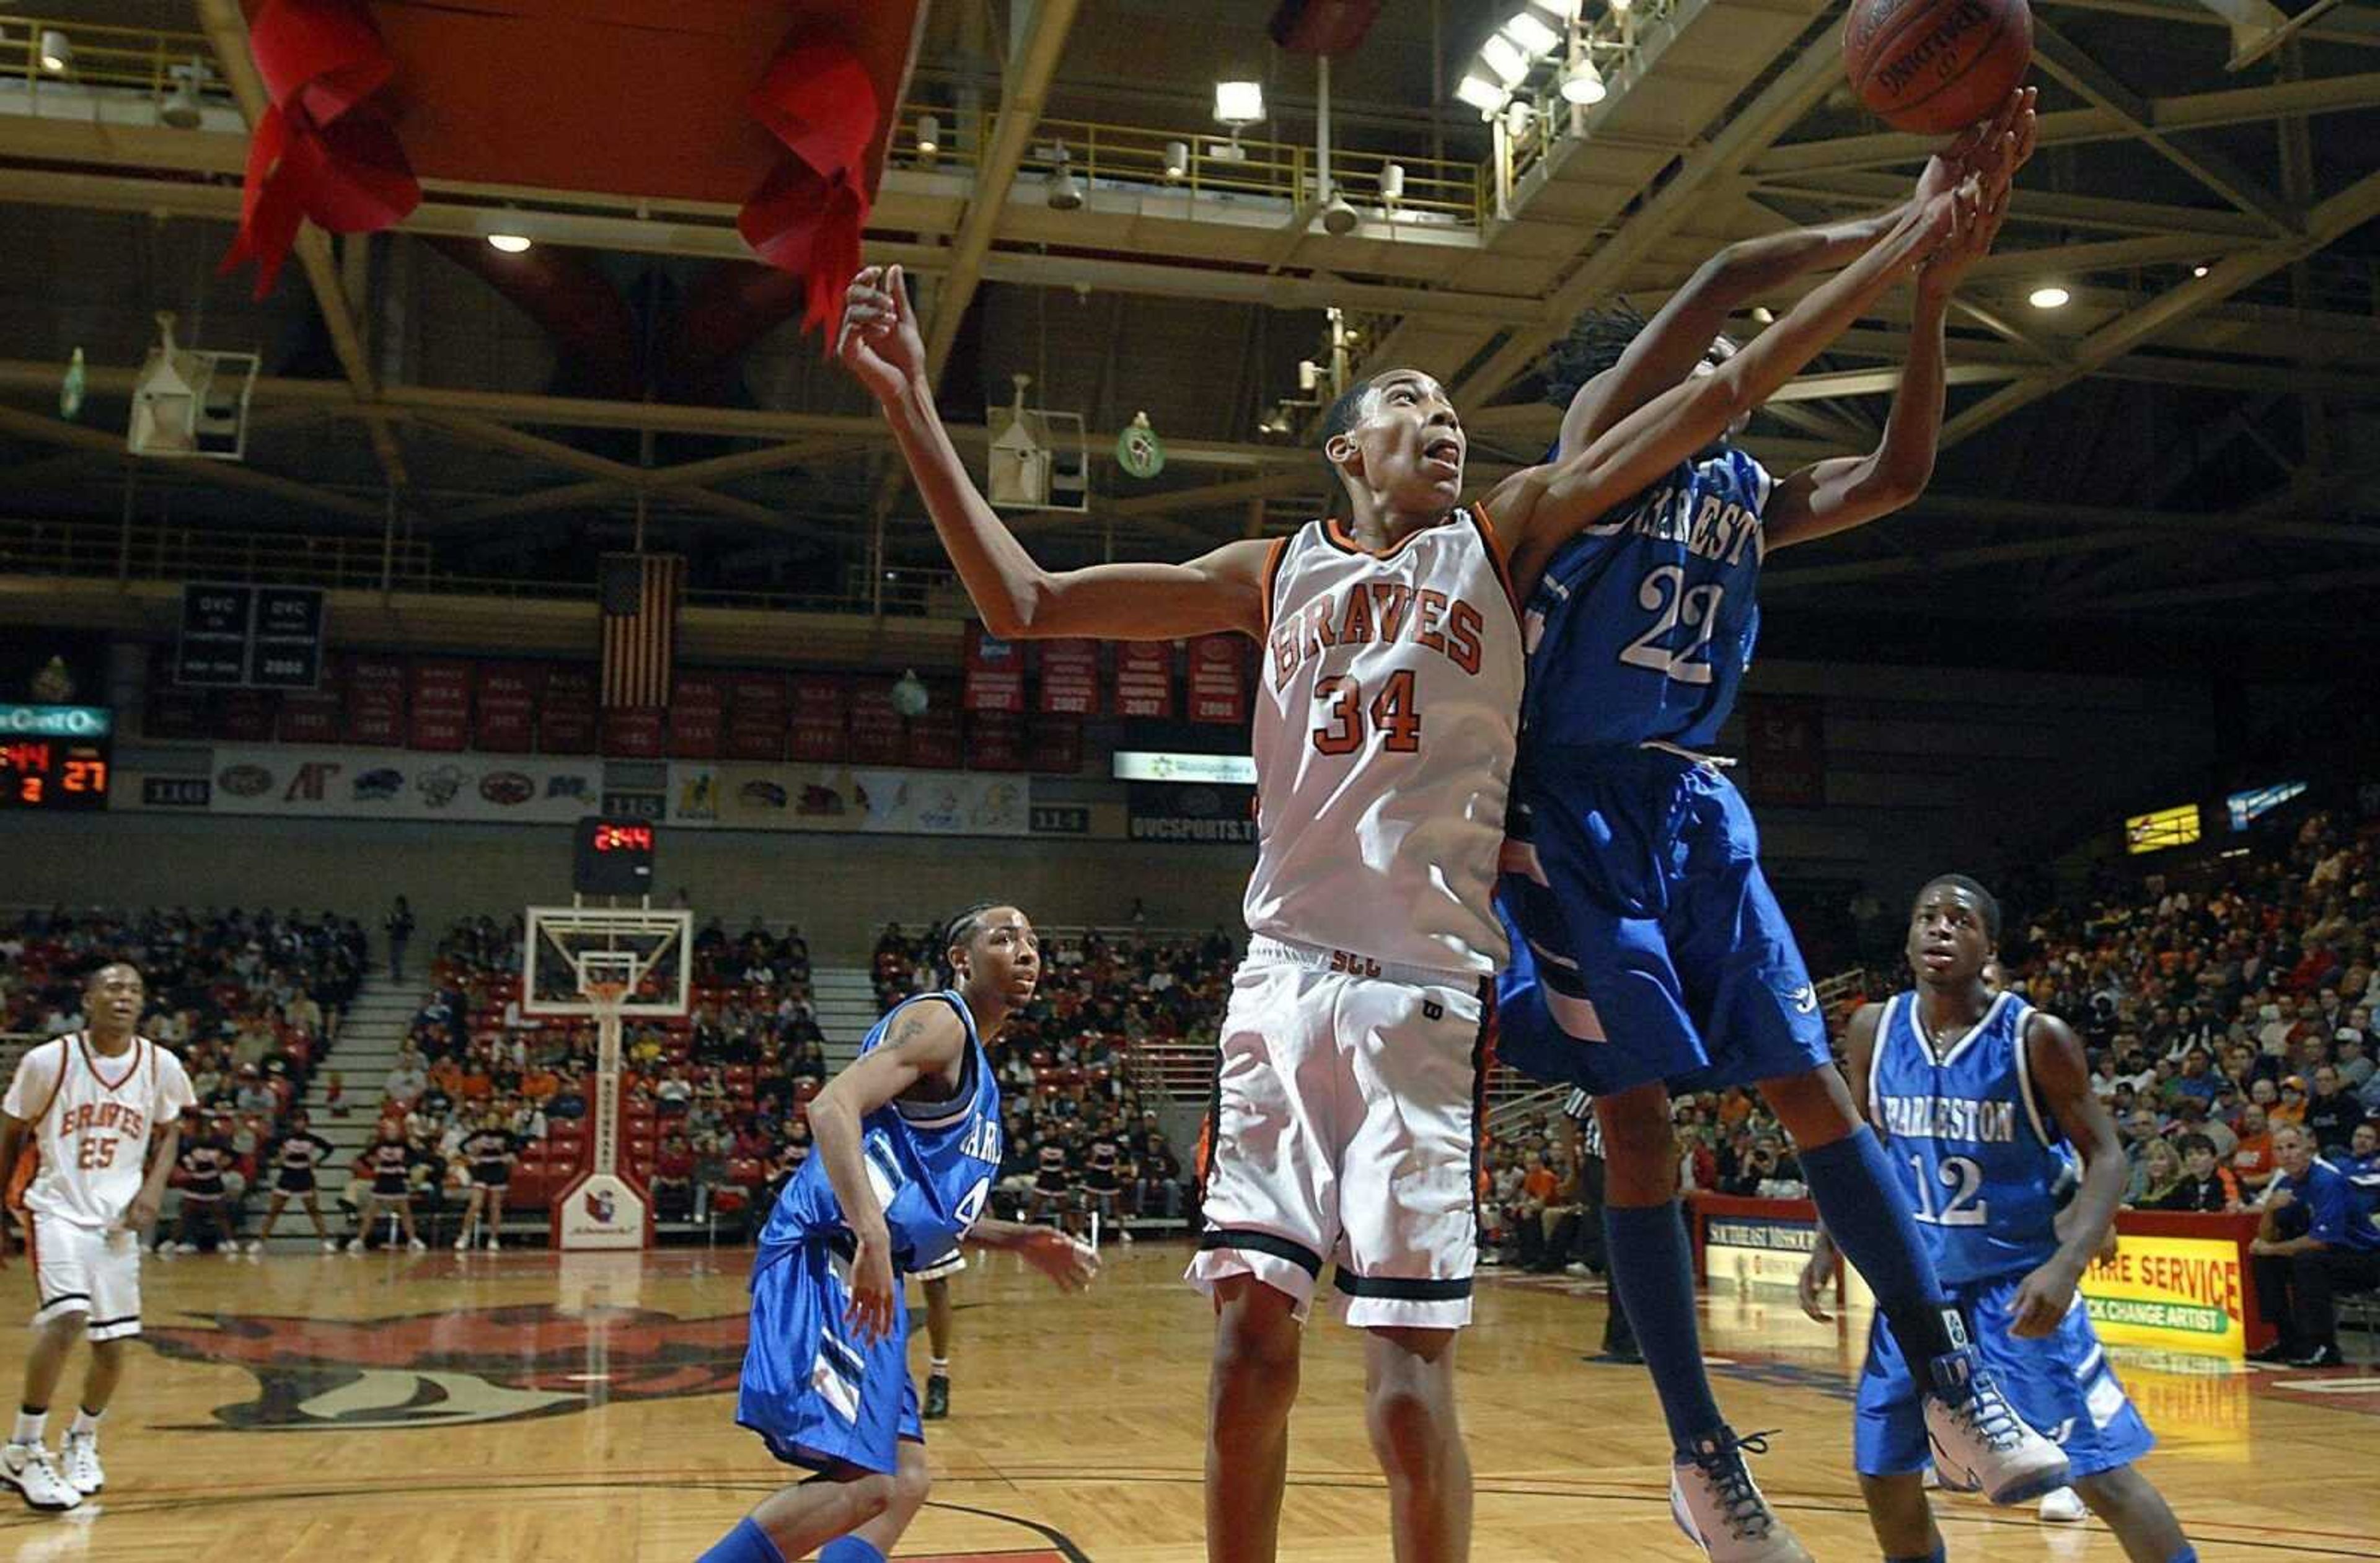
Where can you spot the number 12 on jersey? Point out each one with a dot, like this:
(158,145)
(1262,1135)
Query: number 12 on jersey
(1963,1177)
(1393,713)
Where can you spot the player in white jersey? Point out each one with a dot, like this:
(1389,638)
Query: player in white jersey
(102,1108)
(1384,737)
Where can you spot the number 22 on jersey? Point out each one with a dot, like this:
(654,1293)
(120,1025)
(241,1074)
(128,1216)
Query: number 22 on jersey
(1676,608)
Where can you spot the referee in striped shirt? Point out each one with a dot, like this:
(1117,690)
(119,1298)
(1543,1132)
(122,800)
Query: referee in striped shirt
(1619,1338)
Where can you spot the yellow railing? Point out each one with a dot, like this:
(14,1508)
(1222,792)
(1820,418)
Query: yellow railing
(140,59)
(1213,163)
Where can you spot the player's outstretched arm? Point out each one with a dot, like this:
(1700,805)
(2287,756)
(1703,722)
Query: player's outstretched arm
(927,1039)
(1017,597)
(1071,1266)
(1544,506)
(1835,496)
(2061,1080)
(1681,332)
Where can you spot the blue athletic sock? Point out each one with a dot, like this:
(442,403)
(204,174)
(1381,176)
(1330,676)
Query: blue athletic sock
(1938,1556)
(1652,1266)
(1859,1195)
(2187,1555)
(746,1543)
(849,1549)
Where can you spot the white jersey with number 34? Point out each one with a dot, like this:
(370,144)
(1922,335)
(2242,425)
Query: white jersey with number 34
(1388,708)
(92,1116)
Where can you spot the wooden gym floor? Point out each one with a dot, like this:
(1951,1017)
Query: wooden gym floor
(421,1409)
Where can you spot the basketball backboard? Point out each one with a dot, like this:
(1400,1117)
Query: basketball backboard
(649,952)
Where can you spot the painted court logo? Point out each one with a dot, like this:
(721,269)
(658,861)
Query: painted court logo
(476,1364)
(600,1206)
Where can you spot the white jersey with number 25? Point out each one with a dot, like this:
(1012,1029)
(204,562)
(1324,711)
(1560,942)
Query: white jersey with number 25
(92,1116)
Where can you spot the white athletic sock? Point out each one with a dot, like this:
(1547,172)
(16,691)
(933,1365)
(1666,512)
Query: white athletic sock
(30,1426)
(939,1365)
(85,1424)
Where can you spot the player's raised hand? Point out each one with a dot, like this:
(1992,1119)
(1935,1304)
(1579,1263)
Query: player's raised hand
(1071,1266)
(1994,147)
(871,1313)
(2042,1300)
(1926,229)
(880,342)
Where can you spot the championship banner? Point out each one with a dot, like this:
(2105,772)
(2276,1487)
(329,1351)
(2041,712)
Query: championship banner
(1053,745)
(565,712)
(376,701)
(507,700)
(311,716)
(697,716)
(441,705)
(633,733)
(1785,750)
(350,783)
(995,740)
(245,716)
(878,736)
(1219,685)
(833,799)
(821,718)
(2180,1293)
(1070,678)
(1144,679)
(758,714)
(995,673)
(935,742)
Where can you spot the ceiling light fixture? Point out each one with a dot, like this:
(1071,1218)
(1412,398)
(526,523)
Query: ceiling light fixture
(1065,191)
(1338,217)
(1503,56)
(1392,183)
(1530,32)
(2050,297)
(181,110)
(57,52)
(1583,84)
(1177,160)
(2199,269)
(1239,103)
(1483,95)
(511,244)
(929,134)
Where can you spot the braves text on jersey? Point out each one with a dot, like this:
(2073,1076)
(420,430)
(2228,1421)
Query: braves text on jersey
(92,1116)
(1386,718)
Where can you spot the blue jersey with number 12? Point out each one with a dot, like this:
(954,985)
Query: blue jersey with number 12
(1981,1163)
(1642,628)
(930,1164)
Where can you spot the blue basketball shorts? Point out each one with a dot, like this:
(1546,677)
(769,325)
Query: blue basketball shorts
(817,1397)
(2061,1384)
(1646,944)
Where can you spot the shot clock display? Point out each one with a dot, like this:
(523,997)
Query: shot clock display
(55,757)
(613,857)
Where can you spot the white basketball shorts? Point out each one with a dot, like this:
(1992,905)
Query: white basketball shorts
(1344,1128)
(87,1271)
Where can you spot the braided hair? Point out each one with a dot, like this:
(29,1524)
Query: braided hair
(959,928)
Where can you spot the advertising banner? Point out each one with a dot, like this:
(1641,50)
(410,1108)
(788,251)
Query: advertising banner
(2186,1294)
(349,783)
(831,798)
(1216,816)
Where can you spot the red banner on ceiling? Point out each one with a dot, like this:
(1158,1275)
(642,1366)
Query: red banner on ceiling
(315,716)
(1785,750)
(935,734)
(995,740)
(565,723)
(441,705)
(756,716)
(1070,678)
(376,701)
(245,716)
(821,718)
(878,736)
(1053,744)
(697,716)
(634,732)
(1145,678)
(508,696)
(995,673)
(1218,678)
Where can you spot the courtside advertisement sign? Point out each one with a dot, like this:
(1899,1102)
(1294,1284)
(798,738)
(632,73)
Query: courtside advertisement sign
(1765,1251)
(2183,1294)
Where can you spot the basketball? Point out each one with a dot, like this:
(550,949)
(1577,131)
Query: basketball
(1935,66)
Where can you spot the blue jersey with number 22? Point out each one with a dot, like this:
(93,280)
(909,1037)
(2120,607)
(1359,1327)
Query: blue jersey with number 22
(1642,628)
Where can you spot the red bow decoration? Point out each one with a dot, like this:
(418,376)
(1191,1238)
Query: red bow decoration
(318,153)
(807,216)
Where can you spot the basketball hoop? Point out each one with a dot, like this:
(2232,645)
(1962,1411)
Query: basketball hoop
(604,996)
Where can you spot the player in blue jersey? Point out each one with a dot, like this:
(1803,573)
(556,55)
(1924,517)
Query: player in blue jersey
(1986,1103)
(907,1147)
(1649,950)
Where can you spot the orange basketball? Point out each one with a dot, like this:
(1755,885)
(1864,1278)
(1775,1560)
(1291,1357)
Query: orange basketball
(1937,65)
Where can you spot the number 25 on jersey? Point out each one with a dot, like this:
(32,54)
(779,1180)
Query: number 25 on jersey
(1348,720)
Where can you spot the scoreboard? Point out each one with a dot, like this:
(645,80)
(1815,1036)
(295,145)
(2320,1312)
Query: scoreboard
(54,773)
(55,757)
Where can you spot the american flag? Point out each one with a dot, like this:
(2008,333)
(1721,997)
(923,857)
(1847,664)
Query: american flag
(638,593)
